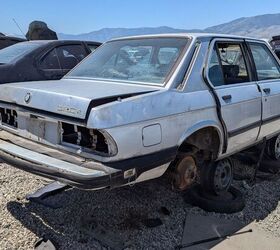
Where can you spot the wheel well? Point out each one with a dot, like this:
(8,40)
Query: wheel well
(205,141)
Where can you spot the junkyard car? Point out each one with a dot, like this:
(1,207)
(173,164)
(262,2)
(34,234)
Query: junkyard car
(138,104)
(42,60)
(6,41)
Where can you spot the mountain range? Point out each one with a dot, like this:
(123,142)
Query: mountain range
(262,26)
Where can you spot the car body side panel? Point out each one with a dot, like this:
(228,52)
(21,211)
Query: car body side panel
(129,138)
(177,113)
(148,107)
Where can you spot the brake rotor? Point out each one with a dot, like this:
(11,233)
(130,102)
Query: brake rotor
(186,173)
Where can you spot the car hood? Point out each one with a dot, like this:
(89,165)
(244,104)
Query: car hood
(70,97)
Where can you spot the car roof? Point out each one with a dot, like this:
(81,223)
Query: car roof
(187,35)
(12,38)
(44,42)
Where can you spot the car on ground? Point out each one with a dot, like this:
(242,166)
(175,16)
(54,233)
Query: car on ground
(42,60)
(6,41)
(142,105)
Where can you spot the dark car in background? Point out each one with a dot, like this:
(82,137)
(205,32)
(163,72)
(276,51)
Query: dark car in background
(275,44)
(6,41)
(42,60)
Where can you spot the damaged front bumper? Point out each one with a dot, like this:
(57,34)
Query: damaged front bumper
(76,171)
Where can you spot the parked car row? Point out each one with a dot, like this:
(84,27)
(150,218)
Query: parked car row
(139,106)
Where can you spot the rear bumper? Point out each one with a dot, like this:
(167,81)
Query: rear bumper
(69,173)
(85,175)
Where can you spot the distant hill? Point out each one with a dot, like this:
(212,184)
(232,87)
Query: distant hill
(109,33)
(263,26)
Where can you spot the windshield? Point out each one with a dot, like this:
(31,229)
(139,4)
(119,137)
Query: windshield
(16,51)
(147,60)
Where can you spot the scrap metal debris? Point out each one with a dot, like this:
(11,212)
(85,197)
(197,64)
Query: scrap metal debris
(44,244)
(222,237)
(49,190)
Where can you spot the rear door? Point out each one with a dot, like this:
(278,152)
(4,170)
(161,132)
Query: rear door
(238,95)
(268,74)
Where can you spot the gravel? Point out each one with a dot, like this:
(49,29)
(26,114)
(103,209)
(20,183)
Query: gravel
(115,219)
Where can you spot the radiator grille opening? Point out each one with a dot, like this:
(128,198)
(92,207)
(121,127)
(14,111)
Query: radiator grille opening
(84,137)
(8,117)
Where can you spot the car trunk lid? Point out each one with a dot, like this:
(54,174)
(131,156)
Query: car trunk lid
(70,97)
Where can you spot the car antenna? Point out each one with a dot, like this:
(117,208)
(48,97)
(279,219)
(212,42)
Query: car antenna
(19,28)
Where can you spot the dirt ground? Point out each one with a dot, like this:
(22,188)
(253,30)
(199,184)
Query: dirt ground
(117,219)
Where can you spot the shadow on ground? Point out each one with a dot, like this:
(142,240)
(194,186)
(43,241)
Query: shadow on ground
(120,218)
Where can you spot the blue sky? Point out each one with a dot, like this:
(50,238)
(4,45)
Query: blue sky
(74,17)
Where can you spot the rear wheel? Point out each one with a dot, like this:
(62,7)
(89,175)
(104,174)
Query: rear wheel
(217,177)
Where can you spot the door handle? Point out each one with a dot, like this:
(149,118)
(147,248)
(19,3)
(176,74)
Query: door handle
(266,90)
(226,97)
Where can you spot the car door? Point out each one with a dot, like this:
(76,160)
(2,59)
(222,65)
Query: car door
(268,74)
(238,96)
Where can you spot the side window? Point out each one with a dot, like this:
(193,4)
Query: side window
(227,64)
(70,55)
(215,71)
(50,61)
(233,63)
(266,65)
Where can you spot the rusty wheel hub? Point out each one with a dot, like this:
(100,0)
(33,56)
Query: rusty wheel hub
(186,172)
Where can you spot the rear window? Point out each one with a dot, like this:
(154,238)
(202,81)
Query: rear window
(16,51)
(148,60)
